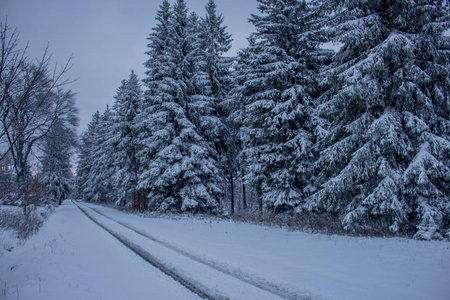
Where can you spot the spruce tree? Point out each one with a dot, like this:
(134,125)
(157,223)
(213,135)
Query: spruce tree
(157,69)
(57,150)
(385,161)
(96,161)
(181,173)
(214,43)
(214,84)
(124,137)
(277,84)
(87,144)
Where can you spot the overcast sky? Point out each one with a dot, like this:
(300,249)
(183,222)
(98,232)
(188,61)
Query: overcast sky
(107,38)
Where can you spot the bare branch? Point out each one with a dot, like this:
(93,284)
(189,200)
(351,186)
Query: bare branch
(26,87)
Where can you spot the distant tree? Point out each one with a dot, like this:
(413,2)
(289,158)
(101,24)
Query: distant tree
(32,125)
(85,154)
(96,160)
(32,101)
(21,79)
(57,149)
(385,161)
(124,139)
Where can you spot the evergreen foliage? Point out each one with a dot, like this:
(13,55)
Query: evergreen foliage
(57,149)
(277,85)
(182,173)
(361,135)
(87,143)
(216,81)
(96,164)
(124,139)
(385,160)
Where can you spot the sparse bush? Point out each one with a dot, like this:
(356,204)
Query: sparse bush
(295,221)
(315,223)
(24,225)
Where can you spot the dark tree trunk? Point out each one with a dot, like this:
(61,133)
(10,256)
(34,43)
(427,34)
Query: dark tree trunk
(260,199)
(244,196)
(232,192)
(22,186)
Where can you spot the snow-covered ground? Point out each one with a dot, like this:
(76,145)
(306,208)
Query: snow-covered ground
(72,256)
(15,227)
(8,238)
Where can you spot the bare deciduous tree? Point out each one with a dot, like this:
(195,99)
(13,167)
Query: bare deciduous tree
(22,79)
(32,101)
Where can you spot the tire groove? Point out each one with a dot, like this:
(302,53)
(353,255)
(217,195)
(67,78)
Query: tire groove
(193,287)
(265,286)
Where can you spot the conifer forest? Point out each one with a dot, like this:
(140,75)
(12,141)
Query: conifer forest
(361,134)
(336,112)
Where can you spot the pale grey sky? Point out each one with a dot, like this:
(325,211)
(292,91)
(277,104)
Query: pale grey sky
(107,38)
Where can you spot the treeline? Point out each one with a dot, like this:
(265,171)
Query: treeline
(361,134)
(38,120)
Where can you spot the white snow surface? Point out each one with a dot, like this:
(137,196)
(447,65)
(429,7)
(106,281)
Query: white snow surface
(73,258)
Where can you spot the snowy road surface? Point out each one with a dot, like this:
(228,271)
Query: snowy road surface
(73,258)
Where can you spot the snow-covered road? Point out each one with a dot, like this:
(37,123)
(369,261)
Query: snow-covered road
(74,257)
(205,278)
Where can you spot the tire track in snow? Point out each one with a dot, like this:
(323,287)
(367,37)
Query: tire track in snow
(194,287)
(237,274)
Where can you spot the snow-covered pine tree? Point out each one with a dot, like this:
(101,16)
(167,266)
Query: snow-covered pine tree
(158,60)
(87,144)
(105,157)
(385,162)
(96,163)
(158,68)
(276,86)
(124,139)
(181,173)
(233,106)
(215,41)
(215,83)
(57,150)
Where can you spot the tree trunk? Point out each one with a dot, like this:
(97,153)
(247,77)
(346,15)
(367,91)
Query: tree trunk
(232,192)
(22,185)
(260,201)
(244,196)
